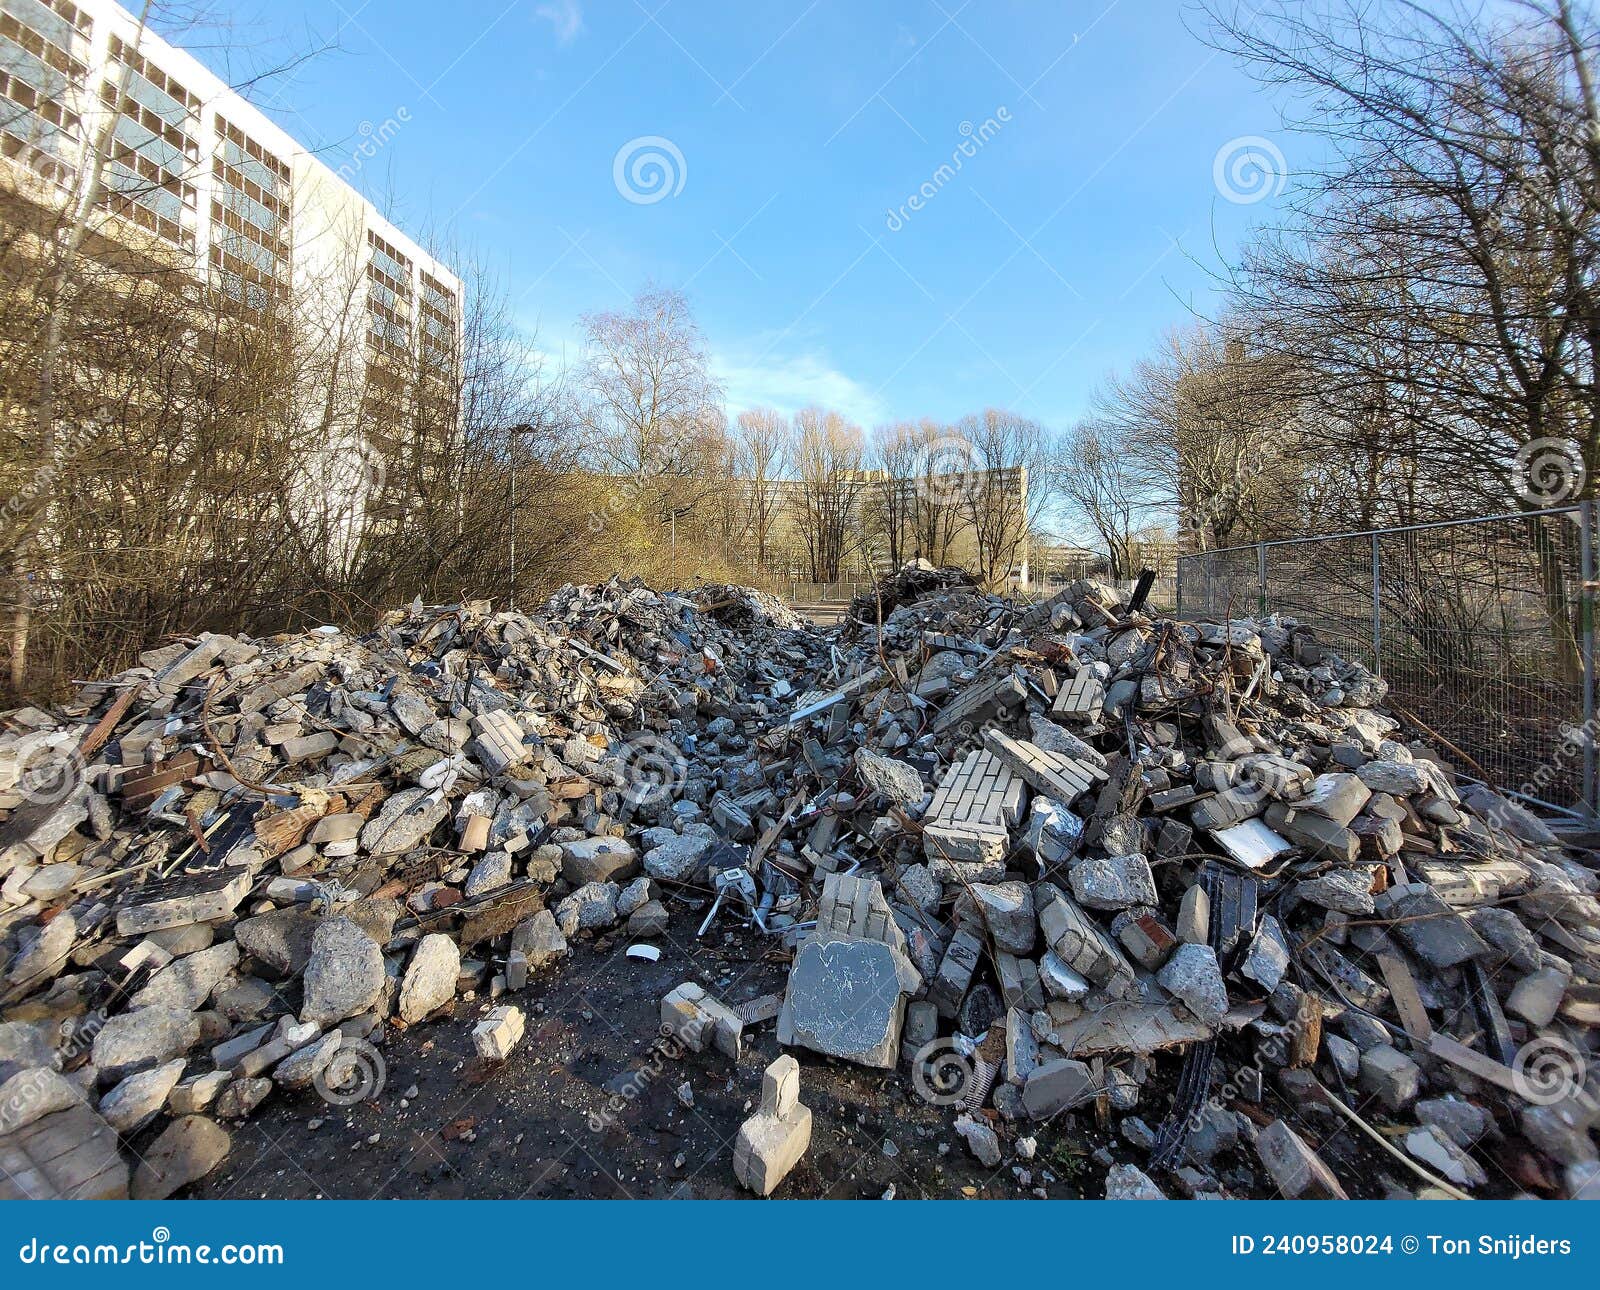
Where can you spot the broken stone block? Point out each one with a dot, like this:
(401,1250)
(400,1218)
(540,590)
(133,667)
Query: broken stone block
(31,1094)
(1116,882)
(772,1141)
(1129,1182)
(69,1155)
(1537,996)
(311,747)
(1060,981)
(1007,911)
(1194,916)
(604,859)
(1296,1169)
(187,1150)
(344,976)
(1230,807)
(699,1021)
(1193,977)
(650,919)
(897,782)
(240,1099)
(196,1094)
(591,907)
(1391,1076)
(1268,957)
(141,1040)
(1502,929)
(1428,927)
(137,1100)
(431,978)
(1022,1048)
(1059,1085)
(1082,944)
(846,998)
(981,1140)
(1019,982)
(1347,891)
(1146,938)
(498,1033)
(301,1068)
(1321,837)
(1434,1148)
(960,961)
(491,873)
(279,940)
(1335,796)
(187,983)
(404,821)
(537,942)
(678,859)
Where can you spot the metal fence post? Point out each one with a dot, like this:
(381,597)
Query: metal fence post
(1591,788)
(1178,595)
(1377,609)
(1261,579)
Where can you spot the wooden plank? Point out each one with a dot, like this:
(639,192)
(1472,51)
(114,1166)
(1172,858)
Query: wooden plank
(1473,1062)
(1407,1001)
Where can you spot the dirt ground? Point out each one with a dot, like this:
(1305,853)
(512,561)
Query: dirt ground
(555,1121)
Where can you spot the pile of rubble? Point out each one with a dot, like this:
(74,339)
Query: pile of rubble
(224,872)
(1047,860)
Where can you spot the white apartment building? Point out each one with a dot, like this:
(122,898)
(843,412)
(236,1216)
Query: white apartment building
(208,176)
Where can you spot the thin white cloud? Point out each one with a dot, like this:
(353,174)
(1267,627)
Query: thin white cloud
(794,381)
(565,16)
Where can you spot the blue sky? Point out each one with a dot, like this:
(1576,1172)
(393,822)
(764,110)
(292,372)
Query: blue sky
(1080,224)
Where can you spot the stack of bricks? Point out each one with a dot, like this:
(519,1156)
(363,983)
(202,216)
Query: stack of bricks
(969,821)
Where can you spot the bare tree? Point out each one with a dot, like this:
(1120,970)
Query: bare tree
(1101,483)
(760,460)
(1006,489)
(650,402)
(890,513)
(828,455)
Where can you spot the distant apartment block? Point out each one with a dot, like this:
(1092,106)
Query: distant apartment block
(200,175)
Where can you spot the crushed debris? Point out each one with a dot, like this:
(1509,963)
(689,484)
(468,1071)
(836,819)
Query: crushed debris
(1184,885)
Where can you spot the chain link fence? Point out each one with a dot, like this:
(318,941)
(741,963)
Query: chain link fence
(1483,629)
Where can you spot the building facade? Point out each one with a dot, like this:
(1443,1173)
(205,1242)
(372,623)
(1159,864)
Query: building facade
(207,181)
